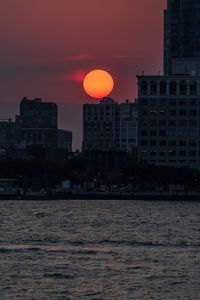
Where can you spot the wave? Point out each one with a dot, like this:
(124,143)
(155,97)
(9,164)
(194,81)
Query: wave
(59,276)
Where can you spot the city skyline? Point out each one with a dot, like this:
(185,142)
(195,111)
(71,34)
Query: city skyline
(43,56)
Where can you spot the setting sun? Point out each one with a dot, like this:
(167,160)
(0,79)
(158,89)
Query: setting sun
(98,83)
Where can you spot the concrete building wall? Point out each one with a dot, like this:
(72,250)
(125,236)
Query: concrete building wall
(169,120)
(181,31)
(109,126)
(37,114)
(9,134)
(64,139)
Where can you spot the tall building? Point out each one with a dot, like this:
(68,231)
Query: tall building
(169,120)
(38,121)
(169,106)
(109,125)
(9,134)
(181,35)
(37,124)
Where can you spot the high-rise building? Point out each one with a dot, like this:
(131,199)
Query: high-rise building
(169,105)
(182,35)
(38,121)
(109,125)
(37,114)
(37,124)
(9,134)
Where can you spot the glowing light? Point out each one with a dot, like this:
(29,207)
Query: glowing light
(98,83)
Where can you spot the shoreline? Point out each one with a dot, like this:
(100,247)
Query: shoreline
(107,196)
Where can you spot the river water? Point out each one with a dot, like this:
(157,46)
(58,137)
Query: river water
(102,249)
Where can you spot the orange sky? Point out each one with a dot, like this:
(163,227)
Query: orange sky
(48,45)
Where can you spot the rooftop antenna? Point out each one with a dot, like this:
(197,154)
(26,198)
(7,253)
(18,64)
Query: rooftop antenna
(142,73)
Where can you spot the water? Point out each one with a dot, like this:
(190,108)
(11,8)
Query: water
(99,250)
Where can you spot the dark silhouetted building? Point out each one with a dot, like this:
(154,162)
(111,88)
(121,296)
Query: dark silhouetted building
(38,121)
(37,124)
(109,125)
(64,139)
(168,106)
(9,134)
(182,36)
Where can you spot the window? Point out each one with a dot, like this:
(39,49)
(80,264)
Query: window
(143,101)
(162,132)
(153,87)
(163,143)
(172,123)
(162,153)
(182,143)
(162,112)
(153,111)
(193,88)
(172,132)
(144,123)
(153,143)
(172,112)
(172,153)
(153,132)
(193,112)
(172,88)
(143,142)
(162,122)
(172,143)
(182,112)
(143,112)
(143,132)
(172,102)
(152,153)
(192,143)
(163,87)
(183,88)
(192,102)
(182,153)
(183,102)
(153,122)
(192,153)
(183,123)
(144,87)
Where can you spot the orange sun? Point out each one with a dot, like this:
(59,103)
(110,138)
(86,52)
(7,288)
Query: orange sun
(98,83)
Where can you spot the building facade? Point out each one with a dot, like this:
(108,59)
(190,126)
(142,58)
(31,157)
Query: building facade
(109,125)
(37,124)
(9,134)
(181,32)
(64,139)
(169,120)
(169,105)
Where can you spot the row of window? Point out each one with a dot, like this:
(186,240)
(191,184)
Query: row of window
(173,161)
(171,153)
(171,143)
(174,87)
(171,112)
(168,133)
(181,123)
(171,102)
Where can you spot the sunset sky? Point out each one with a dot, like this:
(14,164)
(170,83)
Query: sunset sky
(47,46)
